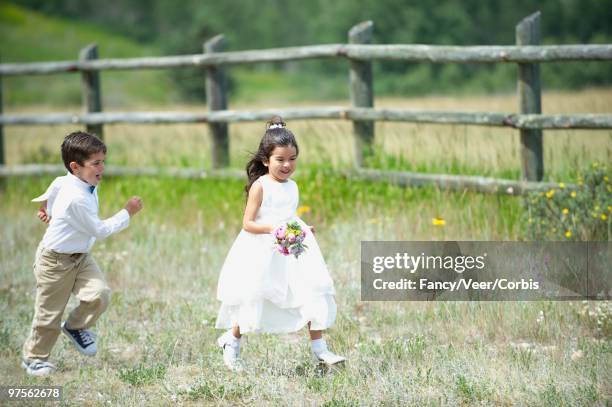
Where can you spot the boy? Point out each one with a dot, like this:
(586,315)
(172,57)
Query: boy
(63,264)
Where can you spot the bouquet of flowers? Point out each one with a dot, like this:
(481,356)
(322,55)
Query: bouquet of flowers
(289,238)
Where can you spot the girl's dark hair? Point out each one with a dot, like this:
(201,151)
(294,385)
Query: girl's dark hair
(277,135)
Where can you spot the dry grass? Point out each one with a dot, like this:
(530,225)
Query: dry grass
(157,338)
(431,148)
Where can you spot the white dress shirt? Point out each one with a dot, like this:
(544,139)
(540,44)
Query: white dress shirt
(75,225)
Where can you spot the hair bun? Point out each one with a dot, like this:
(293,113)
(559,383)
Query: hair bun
(275,122)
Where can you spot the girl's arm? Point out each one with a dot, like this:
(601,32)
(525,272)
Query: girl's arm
(250,212)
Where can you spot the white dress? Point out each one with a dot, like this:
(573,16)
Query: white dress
(262,290)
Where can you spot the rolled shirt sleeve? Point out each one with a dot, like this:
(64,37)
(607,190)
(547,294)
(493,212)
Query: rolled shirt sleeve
(84,218)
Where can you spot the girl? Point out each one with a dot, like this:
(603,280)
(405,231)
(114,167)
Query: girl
(261,289)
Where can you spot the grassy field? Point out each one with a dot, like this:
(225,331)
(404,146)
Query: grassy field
(157,338)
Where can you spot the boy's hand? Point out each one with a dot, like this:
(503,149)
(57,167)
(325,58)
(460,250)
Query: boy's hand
(42,213)
(134,205)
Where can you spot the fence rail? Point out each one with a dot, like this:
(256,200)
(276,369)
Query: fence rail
(443,181)
(517,121)
(527,54)
(395,52)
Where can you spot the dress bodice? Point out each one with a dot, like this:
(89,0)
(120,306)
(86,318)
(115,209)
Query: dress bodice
(280,201)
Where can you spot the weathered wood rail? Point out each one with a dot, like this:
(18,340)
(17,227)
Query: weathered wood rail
(395,52)
(405,179)
(517,121)
(527,54)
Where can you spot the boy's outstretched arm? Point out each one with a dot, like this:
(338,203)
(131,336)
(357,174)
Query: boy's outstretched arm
(85,218)
(134,205)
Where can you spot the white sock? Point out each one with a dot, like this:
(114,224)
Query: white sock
(318,345)
(235,342)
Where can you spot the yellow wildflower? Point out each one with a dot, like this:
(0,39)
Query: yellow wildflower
(530,220)
(606,178)
(568,234)
(603,216)
(561,185)
(550,194)
(573,194)
(565,211)
(438,222)
(595,164)
(596,207)
(609,208)
(303,209)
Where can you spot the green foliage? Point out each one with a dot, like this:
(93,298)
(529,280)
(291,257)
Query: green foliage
(28,36)
(142,375)
(209,390)
(469,391)
(580,214)
(341,402)
(270,23)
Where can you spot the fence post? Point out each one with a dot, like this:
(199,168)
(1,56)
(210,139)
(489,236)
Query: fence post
(362,94)
(530,100)
(2,155)
(216,100)
(90,81)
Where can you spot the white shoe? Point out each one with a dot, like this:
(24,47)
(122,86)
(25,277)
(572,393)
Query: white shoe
(231,351)
(83,339)
(328,357)
(38,367)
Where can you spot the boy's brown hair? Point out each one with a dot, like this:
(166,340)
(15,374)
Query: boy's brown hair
(78,146)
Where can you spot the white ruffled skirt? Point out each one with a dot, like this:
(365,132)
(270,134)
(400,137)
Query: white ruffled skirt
(262,290)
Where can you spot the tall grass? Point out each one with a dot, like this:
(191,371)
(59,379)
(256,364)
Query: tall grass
(454,149)
(157,339)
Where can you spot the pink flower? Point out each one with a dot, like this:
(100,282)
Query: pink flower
(285,251)
(280,232)
(291,238)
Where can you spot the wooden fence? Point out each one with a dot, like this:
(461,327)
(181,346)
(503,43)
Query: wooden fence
(527,54)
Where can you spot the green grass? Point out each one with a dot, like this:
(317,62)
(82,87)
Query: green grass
(28,36)
(157,339)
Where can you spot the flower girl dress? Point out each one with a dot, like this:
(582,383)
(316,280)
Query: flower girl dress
(262,290)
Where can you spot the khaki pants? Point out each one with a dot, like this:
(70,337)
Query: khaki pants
(58,275)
